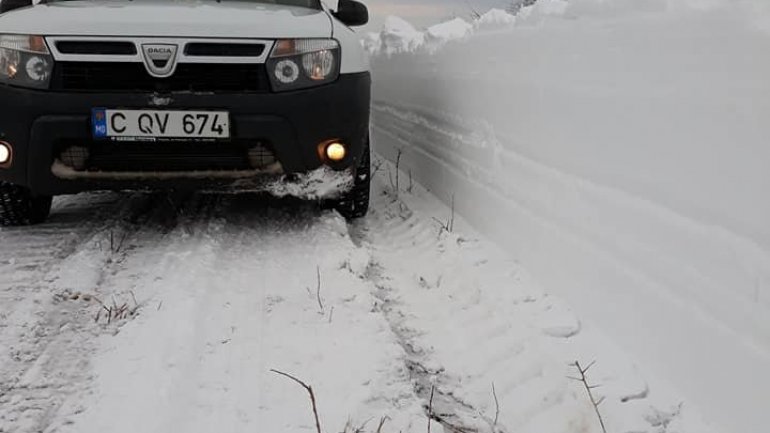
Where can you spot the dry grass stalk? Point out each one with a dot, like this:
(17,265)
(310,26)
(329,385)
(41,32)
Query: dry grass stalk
(116,248)
(376,167)
(449,225)
(411,183)
(115,311)
(382,423)
(395,185)
(398,164)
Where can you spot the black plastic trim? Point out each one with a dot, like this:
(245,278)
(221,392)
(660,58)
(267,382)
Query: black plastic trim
(293,123)
(113,48)
(224,49)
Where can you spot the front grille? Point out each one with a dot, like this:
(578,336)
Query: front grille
(96,48)
(133,77)
(172,156)
(224,49)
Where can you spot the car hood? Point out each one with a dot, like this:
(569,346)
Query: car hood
(167,18)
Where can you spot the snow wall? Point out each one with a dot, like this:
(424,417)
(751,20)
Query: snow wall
(620,150)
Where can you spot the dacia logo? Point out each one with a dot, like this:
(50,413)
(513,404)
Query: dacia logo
(152,50)
(160,59)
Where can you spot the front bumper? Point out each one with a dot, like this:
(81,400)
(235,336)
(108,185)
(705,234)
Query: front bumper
(293,123)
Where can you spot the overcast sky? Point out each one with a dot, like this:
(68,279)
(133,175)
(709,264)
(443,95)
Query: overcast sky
(425,12)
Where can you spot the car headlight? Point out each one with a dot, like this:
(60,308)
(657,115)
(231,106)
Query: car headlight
(301,63)
(25,61)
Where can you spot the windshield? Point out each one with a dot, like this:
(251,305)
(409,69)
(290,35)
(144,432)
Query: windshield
(314,4)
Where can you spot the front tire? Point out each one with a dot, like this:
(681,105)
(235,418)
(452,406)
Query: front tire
(19,207)
(355,203)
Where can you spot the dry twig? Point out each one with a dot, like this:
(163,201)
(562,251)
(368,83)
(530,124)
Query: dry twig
(309,390)
(430,406)
(497,406)
(318,290)
(584,379)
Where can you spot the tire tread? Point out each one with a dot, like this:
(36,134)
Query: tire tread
(355,203)
(18,207)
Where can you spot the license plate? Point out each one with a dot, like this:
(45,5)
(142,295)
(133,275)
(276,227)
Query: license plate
(108,123)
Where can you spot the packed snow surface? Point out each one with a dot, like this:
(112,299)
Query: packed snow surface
(618,149)
(149,313)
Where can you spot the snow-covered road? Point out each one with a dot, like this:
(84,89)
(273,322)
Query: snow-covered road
(130,312)
(617,150)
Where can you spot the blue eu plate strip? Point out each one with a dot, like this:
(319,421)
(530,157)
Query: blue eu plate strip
(99,122)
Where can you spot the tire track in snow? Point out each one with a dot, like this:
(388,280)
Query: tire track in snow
(171,224)
(226,297)
(63,263)
(467,319)
(32,320)
(430,384)
(226,288)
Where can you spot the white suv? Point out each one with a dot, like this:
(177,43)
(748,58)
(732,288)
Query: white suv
(162,94)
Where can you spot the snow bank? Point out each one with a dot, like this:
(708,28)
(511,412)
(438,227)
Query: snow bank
(543,9)
(495,18)
(619,150)
(399,36)
(451,30)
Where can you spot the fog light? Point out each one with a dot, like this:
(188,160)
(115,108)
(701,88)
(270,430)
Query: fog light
(335,151)
(5,153)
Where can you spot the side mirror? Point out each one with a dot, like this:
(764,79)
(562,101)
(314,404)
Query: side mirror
(9,5)
(352,13)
